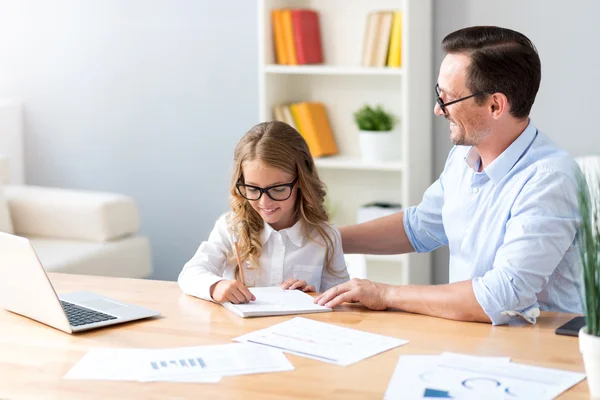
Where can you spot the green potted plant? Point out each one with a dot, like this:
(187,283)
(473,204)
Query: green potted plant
(376,133)
(589,335)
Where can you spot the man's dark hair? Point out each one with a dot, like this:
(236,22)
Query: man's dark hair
(502,60)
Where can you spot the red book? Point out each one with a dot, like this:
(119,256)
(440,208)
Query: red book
(307,36)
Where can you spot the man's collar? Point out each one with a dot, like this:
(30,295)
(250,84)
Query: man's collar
(498,168)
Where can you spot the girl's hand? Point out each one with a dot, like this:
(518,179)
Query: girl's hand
(232,291)
(294,283)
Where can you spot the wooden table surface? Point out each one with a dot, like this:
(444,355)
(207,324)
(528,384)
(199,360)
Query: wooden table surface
(35,357)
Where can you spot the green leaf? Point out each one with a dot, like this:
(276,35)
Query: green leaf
(590,251)
(374,119)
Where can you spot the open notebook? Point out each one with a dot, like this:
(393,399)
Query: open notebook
(275,301)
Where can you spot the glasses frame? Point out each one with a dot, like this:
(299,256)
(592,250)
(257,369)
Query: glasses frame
(239,185)
(443,105)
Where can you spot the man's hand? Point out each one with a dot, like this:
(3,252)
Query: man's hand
(294,283)
(232,291)
(371,294)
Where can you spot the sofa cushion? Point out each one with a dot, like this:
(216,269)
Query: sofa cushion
(5,221)
(71,214)
(129,257)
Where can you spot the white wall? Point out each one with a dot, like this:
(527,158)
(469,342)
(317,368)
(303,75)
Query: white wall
(149,97)
(566,36)
(144,97)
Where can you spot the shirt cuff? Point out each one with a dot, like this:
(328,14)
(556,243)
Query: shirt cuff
(408,215)
(199,285)
(489,304)
(423,243)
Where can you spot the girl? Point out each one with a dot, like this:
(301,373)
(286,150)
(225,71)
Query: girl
(277,227)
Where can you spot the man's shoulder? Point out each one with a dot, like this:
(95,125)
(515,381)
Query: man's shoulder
(546,158)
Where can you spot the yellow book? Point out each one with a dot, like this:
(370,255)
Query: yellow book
(288,37)
(278,39)
(313,124)
(395,52)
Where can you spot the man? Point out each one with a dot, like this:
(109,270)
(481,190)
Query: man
(505,203)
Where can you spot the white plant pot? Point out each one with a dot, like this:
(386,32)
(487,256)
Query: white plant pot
(589,346)
(377,146)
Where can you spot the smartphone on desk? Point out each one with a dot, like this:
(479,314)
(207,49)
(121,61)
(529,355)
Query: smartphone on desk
(572,327)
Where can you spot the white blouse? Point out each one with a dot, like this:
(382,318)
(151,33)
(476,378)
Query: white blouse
(286,254)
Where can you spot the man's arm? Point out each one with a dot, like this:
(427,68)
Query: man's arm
(385,235)
(539,234)
(419,228)
(452,301)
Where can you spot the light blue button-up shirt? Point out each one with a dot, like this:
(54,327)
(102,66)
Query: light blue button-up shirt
(511,228)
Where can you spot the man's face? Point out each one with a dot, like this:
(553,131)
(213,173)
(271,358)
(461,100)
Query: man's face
(469,122)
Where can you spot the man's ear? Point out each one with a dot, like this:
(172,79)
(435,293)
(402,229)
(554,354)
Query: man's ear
(498,104)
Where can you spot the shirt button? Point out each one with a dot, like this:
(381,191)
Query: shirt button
(475,190)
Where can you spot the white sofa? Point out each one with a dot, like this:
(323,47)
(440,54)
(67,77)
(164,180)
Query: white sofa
(76,231)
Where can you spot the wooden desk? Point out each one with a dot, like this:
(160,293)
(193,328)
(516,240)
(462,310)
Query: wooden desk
(34,357)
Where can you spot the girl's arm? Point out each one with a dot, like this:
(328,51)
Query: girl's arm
(208,264)
(337,273)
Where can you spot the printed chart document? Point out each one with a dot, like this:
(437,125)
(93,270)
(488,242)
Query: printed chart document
(186,364)
(272,301)
(322,341)
(470,377)
(220,360)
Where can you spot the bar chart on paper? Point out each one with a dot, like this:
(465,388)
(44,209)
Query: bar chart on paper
(192,363)
(199,364)
(213,360)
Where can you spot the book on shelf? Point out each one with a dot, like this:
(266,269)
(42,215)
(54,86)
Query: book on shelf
(278,39)
(370,39)
(288,37)
(310,119)
(282,113)
(296,36)
(307,35)
(395,52)
(382,44)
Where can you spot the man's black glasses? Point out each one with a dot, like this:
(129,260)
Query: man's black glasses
(444,105)
(279,192)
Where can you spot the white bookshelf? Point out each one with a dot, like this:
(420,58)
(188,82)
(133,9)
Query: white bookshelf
(329,70)
(343,85)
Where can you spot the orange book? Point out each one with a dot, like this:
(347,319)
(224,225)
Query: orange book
(288,37)
(278,37)
(313,124)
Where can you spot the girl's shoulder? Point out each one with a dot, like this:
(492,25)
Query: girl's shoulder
(330,230)
(222,223)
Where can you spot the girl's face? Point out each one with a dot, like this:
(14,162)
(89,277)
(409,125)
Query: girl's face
(278,214)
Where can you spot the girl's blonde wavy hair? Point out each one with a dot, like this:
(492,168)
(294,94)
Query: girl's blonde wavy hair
(277,145)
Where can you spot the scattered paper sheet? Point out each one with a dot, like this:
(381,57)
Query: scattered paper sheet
(186,364)
(322,341)
(470,377)
(219,360)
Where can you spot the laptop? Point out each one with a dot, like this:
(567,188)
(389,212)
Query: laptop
(26,290)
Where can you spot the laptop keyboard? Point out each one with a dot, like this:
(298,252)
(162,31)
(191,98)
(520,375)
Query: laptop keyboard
(78,315)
